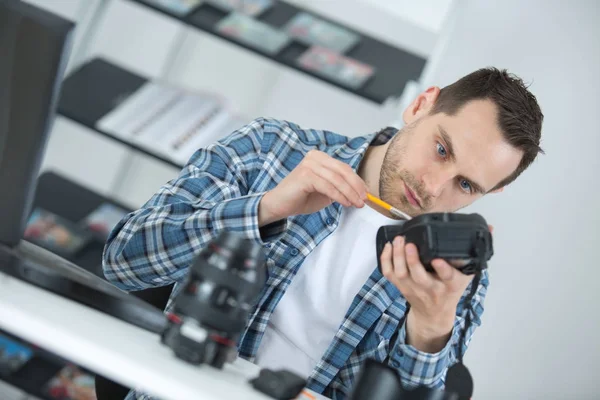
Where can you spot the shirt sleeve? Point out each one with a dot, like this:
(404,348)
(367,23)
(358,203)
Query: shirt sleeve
(418,368)
(155,245)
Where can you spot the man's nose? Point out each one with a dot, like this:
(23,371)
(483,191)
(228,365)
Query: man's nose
(436,182)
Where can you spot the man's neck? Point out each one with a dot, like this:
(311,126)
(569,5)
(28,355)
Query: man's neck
(370,167)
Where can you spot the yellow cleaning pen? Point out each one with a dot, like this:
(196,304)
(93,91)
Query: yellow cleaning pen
(388,207)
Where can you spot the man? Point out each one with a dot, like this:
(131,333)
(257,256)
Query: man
(301,194)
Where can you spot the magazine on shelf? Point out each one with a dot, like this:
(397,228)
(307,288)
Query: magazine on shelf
(103,219)
(329,64)
(169,121)
(314,31)
(71,383)
(248,7)
(13,355)
(55,233)
(196,138)
(254,33)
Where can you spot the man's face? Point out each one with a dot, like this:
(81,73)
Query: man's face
(441,163)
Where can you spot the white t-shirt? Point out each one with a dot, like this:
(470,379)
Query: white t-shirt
(311,310)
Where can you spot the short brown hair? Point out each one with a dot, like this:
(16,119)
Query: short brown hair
(519,115)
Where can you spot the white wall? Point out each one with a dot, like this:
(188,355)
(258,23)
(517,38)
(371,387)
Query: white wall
(429,15)
(539,338)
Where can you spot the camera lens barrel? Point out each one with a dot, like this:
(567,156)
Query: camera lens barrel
(221,289)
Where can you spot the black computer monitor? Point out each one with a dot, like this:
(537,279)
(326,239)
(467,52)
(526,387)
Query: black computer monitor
(34,47)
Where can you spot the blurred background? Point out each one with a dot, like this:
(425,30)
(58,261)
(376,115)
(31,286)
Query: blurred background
(540,328)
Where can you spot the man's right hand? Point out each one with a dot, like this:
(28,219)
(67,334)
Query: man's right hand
(315,183)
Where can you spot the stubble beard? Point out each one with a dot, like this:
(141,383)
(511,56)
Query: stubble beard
(393,176)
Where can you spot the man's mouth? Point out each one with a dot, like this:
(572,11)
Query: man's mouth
(412,198)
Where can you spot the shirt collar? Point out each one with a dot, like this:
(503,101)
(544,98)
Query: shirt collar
(354,150)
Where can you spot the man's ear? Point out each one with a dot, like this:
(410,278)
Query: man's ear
(421,105)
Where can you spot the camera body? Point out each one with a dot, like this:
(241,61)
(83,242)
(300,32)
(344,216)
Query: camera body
(464,240)
(211,311)
(377,380)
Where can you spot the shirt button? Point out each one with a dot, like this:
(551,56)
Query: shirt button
(395,364)
(329,221)
(294,252)
(268,245)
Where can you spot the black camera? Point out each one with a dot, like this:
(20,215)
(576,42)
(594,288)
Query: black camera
(210,312)
(377,380)
(463,240)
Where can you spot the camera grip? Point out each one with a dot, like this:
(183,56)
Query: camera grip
(387,233)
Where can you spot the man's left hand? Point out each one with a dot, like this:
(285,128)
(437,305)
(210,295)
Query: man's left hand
(433,297)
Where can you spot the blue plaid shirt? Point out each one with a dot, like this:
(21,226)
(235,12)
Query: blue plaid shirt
(220,189)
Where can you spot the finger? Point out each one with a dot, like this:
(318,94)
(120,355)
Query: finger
(415,268)
(325,187)
(399,258)
(444,270)
(453,279)
(339,183)
(387,268)
(459,282)
(491,228)
(347,173)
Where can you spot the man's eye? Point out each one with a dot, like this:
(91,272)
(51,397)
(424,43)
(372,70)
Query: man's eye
(465,185)
(441,150)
